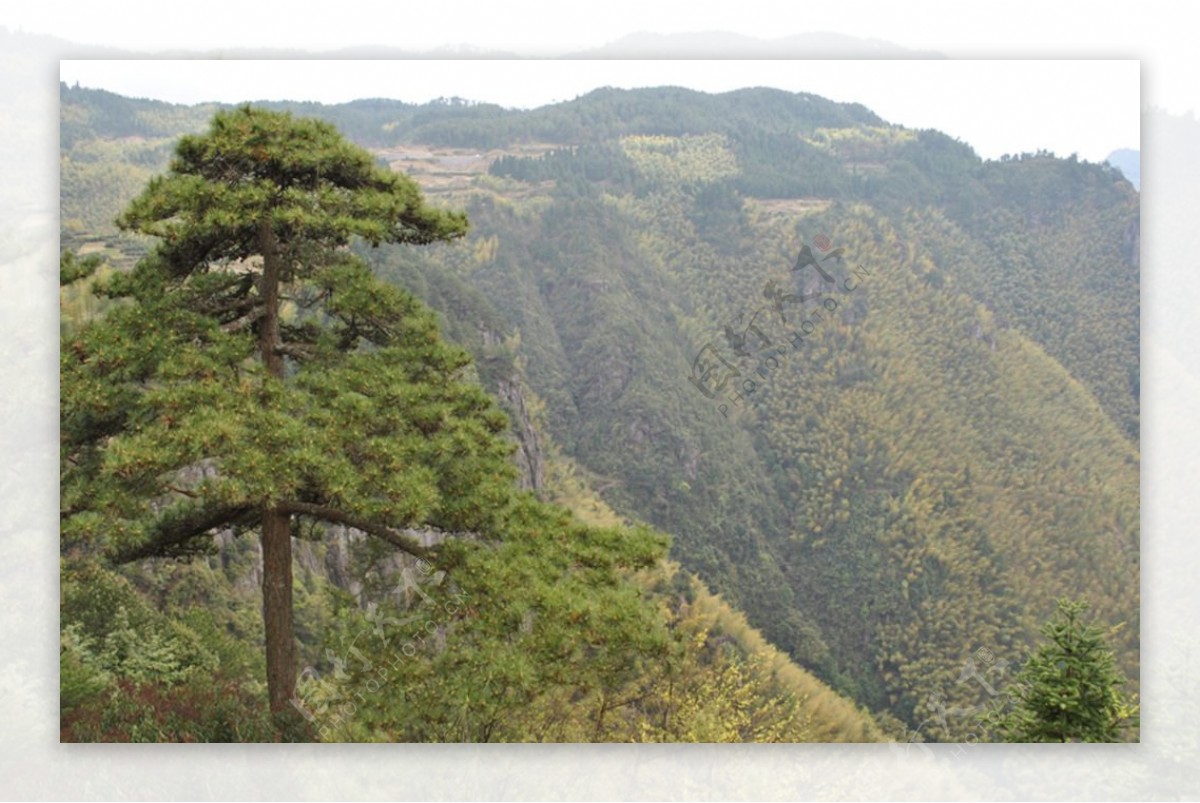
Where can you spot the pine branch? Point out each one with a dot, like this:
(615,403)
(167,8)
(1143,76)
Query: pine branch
(238,324)
(396,538)
(172,530)
(297,351)
(220,308)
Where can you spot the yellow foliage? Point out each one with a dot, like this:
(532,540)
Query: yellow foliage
(706,157)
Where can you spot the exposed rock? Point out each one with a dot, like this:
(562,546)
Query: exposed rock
(529,458)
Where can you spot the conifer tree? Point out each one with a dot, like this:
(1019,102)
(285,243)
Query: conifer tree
(256,374)
(1070,689)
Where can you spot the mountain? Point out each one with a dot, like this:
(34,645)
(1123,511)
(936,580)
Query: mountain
(883,395)
(1129,162)
(724,44)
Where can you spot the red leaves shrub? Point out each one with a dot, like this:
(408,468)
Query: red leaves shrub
(218,710)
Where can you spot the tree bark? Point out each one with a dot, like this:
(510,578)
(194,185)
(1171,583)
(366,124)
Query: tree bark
(268,290)
(276,524)
(277,609)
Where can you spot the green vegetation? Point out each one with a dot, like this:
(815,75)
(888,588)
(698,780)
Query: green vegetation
(923,472)
(1070,689)
(178,412)
(260,379)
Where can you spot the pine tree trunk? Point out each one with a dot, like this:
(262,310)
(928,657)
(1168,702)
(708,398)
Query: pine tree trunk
(268,332)
(276,526)
(277,609)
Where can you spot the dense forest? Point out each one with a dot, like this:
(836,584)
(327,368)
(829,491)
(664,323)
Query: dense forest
(879,396)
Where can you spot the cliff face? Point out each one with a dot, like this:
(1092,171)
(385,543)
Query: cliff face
(335,556)
(528,457)
(507,385)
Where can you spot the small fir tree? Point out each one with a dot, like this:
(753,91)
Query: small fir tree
(1070,690)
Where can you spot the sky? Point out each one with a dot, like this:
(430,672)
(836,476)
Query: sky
(1066,28)
(1089,109)
(1086,107)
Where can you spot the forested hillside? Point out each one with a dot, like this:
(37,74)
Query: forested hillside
(882,395)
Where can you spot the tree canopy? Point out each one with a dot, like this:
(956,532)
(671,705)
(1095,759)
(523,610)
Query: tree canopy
(1070,689)
(260,375)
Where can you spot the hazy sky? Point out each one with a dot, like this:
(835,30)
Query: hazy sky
(1085,107)
(1156,31)
(1089,109)
(1063,28)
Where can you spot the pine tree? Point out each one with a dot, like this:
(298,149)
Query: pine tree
(256,374)
(1070,689)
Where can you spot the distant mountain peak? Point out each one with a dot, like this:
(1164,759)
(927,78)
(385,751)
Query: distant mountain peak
(1129,162)
(717,44)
